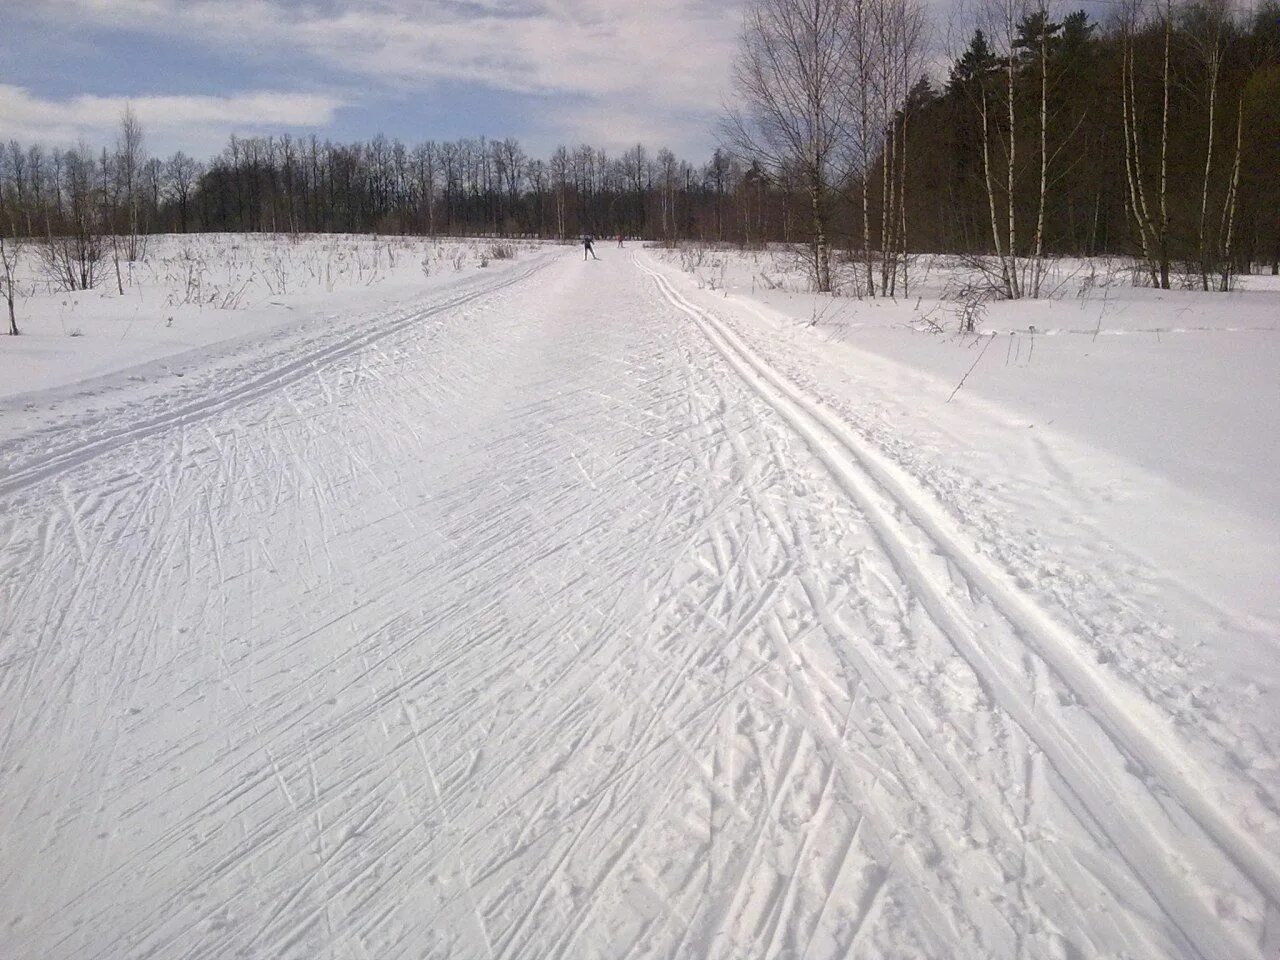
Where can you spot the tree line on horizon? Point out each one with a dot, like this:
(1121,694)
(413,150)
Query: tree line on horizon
(1154,134)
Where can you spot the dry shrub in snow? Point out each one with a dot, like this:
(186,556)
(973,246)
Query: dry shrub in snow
(73,262)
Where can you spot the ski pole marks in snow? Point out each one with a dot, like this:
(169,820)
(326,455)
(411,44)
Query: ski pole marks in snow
(568,630)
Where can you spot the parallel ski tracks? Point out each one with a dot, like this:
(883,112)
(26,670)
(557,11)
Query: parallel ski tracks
(910,529)
(58,461)
(580,632)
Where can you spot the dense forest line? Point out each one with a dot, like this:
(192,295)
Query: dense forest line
(1161,138)
(1156,134)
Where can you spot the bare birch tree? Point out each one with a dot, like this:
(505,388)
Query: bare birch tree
(899,34)
(129,161)
(10,253)
(1042,68)
(1152,225)
(669,184)
(790,74)
(426,159)
(560,173)
(1227,228)
(858,77)
(1210,30)
(1011,92)
(979,75)
(1209,44)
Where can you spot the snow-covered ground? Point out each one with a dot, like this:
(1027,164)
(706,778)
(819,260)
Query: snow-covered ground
(189,291)
(1182,383)
(572,609)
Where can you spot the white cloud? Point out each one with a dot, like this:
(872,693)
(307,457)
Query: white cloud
(201,118)
(663,60)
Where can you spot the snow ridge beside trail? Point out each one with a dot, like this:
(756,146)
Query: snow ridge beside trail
(915,533)
(561,625)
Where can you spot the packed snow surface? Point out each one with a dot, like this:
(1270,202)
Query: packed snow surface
(589,609)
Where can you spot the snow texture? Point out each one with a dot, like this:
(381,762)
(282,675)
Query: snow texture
(565,609)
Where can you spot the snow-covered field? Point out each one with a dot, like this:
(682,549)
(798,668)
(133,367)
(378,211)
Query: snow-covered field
(193,290)
(1182,383)
(618,609)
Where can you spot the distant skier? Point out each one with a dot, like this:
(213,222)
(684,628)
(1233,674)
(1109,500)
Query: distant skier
(588,247)
(619,241)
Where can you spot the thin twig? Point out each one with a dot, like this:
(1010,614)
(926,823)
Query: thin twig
(990,337)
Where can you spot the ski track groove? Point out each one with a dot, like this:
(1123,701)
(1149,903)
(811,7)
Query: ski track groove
(559,626)
(57,461)
(872,483)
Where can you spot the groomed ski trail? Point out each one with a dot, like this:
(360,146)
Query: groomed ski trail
(915,534)
(551,622)
(331,346)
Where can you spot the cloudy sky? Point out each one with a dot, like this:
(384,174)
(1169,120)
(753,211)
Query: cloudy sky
(608,72)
